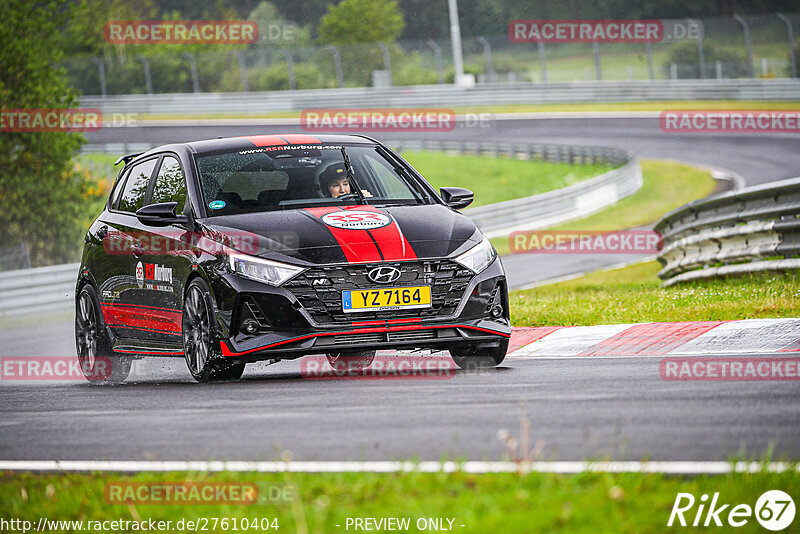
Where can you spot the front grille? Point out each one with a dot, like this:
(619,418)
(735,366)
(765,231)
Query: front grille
(323,299)
(357,339)
(412,335)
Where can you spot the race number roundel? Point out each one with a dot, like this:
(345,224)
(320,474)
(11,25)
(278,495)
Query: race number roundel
(356,220)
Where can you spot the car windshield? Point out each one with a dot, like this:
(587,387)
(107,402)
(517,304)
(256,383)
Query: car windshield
(275,178)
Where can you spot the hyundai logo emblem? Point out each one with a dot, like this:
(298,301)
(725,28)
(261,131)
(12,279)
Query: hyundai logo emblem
(384,275)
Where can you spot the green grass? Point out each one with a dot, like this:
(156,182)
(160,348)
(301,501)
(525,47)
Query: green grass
(590,503)
(498,179)
(634,294)
(666,186)
(533,108)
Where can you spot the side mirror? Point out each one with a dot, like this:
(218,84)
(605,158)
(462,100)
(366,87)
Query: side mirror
(161,214)
(456,197)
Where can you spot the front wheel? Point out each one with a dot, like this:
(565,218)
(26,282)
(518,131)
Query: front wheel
(480,358)
(98,362)
(200,344)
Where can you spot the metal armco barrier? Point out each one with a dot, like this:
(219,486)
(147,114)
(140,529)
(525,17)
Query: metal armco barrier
(749,230)
(446,96)
(52,288)
(38,290)
(553,207)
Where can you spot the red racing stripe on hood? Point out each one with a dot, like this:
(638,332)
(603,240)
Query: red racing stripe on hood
(357,245)
(393,244)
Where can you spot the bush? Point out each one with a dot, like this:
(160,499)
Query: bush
(685,56)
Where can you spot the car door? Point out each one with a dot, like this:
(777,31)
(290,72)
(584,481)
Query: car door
(123,299)
(168,256)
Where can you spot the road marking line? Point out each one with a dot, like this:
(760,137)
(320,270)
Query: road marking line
(565,467)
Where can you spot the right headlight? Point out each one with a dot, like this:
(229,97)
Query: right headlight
(478,257)
(272,272)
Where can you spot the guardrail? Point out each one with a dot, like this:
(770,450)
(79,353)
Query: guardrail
(786,89)
(553,207)
(38,290)
(53,288)
(749,230)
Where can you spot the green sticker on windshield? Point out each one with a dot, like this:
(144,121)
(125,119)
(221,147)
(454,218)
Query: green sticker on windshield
(216,204)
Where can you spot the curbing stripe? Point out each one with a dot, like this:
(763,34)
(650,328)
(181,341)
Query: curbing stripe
(561,467)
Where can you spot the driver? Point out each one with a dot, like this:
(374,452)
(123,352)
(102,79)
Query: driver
(334,182)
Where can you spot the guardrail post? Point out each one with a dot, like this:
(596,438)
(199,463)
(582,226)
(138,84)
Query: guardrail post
(487,56)
(101,72)
(746,28)
(287,56)
(597,68)
(790,34)
(648,49)
(193,66)
(700,55)
(242,70)
(673,71)
(719,69)
(437,57)
(542,61)
(148,81)
(387,60)
(337,63)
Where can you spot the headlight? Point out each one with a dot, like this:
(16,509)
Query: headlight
(478,257)
(271,272)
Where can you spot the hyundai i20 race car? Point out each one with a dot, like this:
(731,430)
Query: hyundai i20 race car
(273,247)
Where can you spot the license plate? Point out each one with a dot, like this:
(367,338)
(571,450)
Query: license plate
(386,298)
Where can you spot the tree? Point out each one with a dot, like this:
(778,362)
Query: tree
(45,198)
(361,21)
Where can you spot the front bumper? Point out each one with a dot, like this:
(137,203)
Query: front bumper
(295,333)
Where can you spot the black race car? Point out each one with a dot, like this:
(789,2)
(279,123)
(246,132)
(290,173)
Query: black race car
(273,247)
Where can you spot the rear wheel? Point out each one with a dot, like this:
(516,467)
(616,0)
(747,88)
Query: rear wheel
(351,361)
(98,362)
(200,344)
(480,357)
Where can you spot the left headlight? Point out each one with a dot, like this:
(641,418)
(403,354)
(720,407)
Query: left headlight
(272,272)
(478,257)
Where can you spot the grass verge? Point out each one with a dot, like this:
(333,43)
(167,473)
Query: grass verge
(533,502)
(498,179)
(666,186)
(634,294)
(663,105)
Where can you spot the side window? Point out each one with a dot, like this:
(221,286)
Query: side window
(118,187)
(136,186)
(170,185)
(394,185)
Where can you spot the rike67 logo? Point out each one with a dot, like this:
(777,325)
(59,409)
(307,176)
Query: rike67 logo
(774,510)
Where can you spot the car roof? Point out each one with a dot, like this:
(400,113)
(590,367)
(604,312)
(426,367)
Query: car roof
(268,140)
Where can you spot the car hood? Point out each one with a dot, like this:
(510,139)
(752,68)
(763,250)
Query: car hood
(353,234)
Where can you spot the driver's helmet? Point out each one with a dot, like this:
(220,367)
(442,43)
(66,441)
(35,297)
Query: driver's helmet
(334,171)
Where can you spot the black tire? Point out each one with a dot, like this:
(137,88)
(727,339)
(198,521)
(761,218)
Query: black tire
(201,346)
(480,358)
(351,361)
(92,345)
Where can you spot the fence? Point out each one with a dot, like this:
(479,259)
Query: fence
(749,230)
(729,47)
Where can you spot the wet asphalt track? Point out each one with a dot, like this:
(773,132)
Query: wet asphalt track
(583,408)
